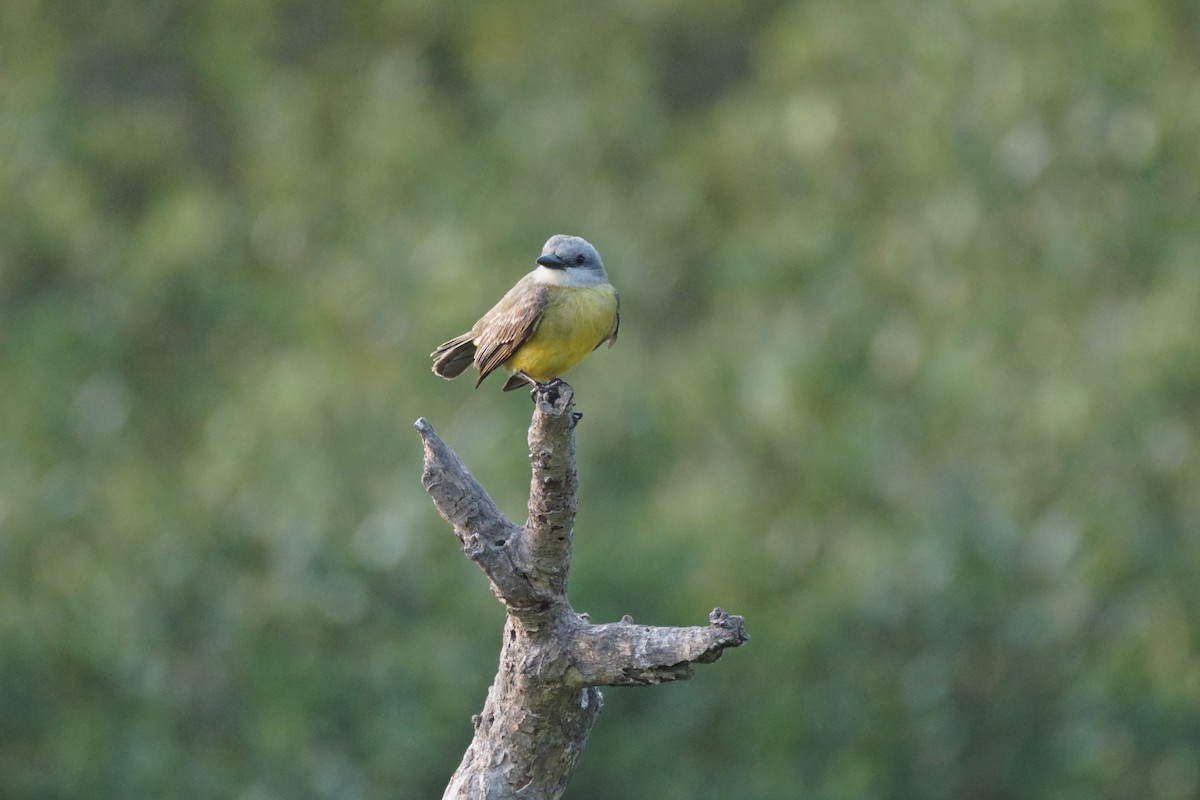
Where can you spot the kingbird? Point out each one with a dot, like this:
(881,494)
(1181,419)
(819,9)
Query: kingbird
(543,326)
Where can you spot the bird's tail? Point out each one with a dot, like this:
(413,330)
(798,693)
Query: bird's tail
(453,357)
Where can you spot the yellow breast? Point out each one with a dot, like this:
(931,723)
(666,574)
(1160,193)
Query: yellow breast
(574,322)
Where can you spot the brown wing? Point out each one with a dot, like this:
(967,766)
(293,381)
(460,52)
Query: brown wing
(506,327)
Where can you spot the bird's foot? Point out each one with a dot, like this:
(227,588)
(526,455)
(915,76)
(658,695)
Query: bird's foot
(554,394)
(549,389)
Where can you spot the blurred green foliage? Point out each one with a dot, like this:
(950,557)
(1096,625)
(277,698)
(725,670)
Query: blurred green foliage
(909,375)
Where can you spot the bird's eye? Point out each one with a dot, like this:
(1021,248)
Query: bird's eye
(579,259)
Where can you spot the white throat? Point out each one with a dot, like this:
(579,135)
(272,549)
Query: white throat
(572,278)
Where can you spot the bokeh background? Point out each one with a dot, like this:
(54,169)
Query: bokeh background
(909,375)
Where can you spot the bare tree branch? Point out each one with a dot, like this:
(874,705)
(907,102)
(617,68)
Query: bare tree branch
(626,654)
(544,700)
(552,488)
(487,536)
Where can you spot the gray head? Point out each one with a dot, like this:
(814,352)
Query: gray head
(571,254)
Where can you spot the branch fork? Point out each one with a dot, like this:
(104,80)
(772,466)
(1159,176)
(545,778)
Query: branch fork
(545,698)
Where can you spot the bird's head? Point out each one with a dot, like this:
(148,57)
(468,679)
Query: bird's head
(570,253)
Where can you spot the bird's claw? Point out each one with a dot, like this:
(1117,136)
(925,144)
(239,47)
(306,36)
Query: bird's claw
(549,388)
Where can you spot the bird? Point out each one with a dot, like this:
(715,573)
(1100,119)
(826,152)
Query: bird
(547,323)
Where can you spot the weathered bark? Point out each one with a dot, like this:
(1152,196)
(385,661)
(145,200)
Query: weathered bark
(544,700)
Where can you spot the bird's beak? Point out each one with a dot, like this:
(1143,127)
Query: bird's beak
(550,260)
